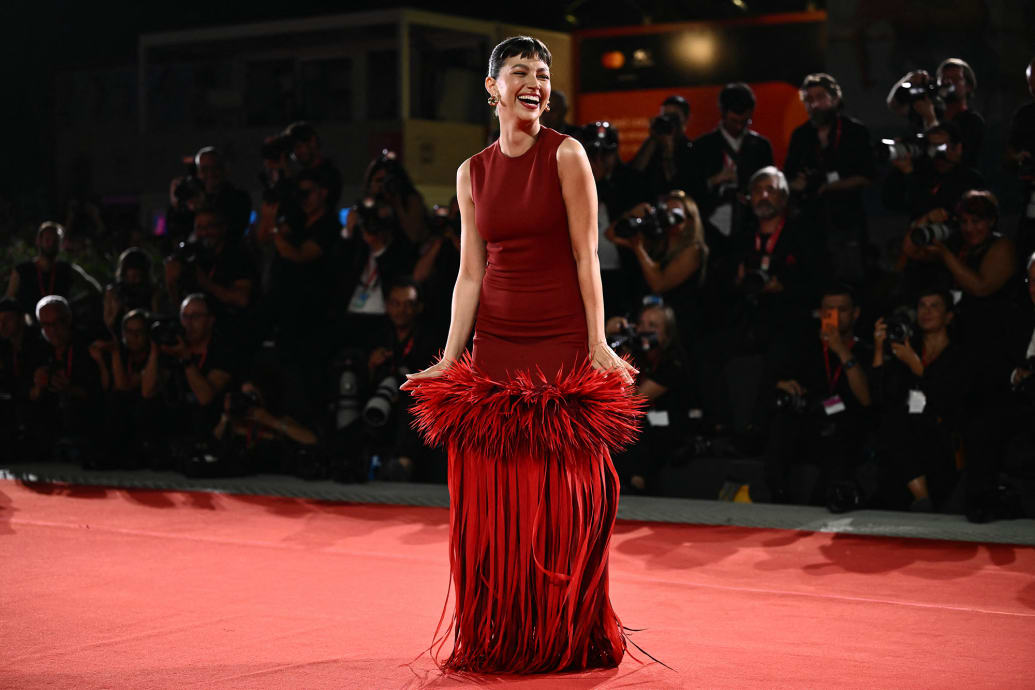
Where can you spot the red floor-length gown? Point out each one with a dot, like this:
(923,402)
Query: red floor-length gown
(528,424)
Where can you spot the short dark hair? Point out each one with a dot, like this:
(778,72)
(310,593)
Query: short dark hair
(950,128)
(838,288)
(968,71)
(134,257)
(981,203)
(679,102)
(823,80)
(736,97)
(519,46)
(945,294)
(405,282)
(300,131)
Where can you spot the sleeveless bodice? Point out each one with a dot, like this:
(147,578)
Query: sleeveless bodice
(530,311)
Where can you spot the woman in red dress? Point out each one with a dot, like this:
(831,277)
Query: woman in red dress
(529,416)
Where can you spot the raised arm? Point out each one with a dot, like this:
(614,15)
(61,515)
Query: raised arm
(468,285)
(580,202)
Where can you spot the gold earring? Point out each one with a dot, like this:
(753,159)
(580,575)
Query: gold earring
(547,107)
(494,100)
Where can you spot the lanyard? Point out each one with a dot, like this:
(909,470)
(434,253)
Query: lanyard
(774,237)
(832,380)
(408,348)
(837,141)
(39,279)
(374,274)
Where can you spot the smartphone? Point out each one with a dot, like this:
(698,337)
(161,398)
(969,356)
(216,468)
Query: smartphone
(829,320)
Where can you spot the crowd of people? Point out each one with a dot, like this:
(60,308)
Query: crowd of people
(271,334)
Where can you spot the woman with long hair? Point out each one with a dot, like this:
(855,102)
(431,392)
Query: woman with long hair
(530,414)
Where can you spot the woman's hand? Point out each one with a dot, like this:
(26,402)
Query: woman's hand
(436,369)
(604,359)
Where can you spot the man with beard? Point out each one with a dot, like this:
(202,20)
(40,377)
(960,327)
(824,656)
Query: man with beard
(829,162)
(45,275)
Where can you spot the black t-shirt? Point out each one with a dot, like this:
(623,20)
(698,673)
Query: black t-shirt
(848,153)
(217,357)
(413,353)
(654,174)
(226,268)
(673,372)
(1022,137)
(946,383)
(330,173)
(17,367)
(75,362)
(309,279)
(35,284)
(926,189)
(972,132)
(822,373)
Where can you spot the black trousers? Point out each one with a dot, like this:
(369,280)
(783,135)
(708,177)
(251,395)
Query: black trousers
(834,444)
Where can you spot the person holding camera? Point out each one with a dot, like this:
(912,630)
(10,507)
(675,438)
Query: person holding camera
(920,384)
(664,160)
(669,246)
(217,266)
(438,261)
(193,372)
(132,289)
(207,185)
(66,382)
(46,274)
(927,101)
(255,434)
(822,396)
(305,150)
(724,161)
(20,347)
(981,265)
(386,179)
(829,163)
(665,381)
(378,256)
(1020,158)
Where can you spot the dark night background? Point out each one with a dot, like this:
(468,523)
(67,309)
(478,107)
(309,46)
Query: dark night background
(41,38)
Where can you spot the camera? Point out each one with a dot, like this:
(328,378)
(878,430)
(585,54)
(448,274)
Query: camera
(1026,386)
(378,409)
(899,327)
(908,93)
(440,223)
(188,252)
(188,188)
(369,217)
(653,224)
(599,136)
(276,147)
(924,235)
(634,342)
(890,150)
(240,403)
(755,280)
(346,400)
(789,402)
(665,124)
(167,331)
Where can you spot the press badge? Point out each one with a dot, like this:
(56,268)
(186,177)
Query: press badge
(917,401)
(657,417)
(832,177)
(833,405)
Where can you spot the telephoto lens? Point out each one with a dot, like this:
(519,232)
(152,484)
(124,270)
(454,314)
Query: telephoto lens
(379,408)
(924,235)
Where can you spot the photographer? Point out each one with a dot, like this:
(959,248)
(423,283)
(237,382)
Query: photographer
(724,161)
(193,372)
(920,382)
(438,262)
(206,184)
(400,346)
(46,274)
(1020,158)
(132,289)
(66,383)
(665,381)
(218,267)
(619,189)
(305,150)
(928,101)
(256,435)
(664,159)
(20,348)
(555,115)
(668,243)
(379,254)
(981,264)
(386,179)
(822,396)
(829,163)
(999,439)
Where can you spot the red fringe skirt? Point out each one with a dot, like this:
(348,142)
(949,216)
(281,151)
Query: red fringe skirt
(533,498)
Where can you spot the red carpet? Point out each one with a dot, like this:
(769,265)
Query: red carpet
(128,589)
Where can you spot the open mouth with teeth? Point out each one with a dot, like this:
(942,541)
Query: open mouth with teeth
(530,102)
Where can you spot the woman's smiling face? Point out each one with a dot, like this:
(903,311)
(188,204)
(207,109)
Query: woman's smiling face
(523,87)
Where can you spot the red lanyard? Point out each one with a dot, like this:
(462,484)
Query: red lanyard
(832,380)
(923,358)
(837,139)
(408,349)
(374,273)
(774,237)
(39,279)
